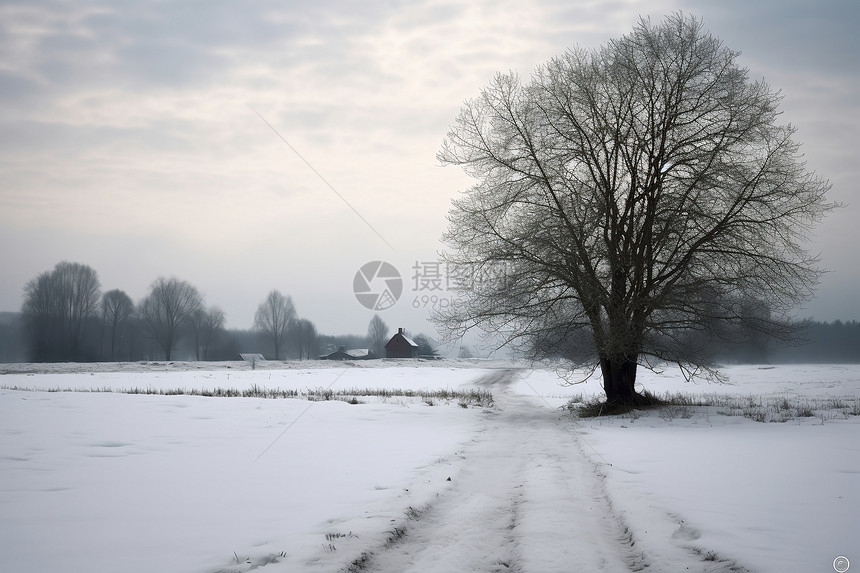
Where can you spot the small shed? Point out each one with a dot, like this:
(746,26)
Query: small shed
(401,346)
(251,358)
(343,354)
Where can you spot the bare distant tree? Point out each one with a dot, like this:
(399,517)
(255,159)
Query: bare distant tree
(58,306)
(206,323)
(307,340)
(168,305)
(80,287)
(377,335)
(426,346)
(754,329)
(116,309)
(274,317)
(626,198)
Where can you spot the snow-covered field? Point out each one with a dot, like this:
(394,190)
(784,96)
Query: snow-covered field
(105,481)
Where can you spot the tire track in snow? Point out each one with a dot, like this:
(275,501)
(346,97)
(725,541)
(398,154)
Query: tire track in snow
(527,500)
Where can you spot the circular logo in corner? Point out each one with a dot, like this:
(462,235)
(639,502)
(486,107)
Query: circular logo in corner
(377,285)
(841,564)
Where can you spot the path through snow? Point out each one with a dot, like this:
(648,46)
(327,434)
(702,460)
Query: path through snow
(528,499)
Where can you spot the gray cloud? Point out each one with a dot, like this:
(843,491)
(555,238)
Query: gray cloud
(820,37)
(134,121)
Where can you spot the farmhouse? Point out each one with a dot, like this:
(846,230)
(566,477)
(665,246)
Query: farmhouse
(401,347)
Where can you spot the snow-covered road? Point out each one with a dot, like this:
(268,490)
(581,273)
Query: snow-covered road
(529,498)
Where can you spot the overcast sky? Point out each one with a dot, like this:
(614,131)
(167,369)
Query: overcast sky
(131,141)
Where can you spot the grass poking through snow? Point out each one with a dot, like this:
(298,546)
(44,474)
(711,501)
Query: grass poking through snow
(463,398)
(672,406)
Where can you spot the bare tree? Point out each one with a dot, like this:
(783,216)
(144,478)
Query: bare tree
(274,317)
(377,335)
(168,305)
(206,323)
(627,197)
(426,346)
(307,340)
(116,309)
(58,306)
(465,352)
(753,334)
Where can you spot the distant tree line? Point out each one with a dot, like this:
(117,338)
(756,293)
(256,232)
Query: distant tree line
(815,342)
(819,342)
(66,317)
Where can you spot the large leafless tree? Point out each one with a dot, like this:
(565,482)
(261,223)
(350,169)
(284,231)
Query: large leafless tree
(627,199)
(169,304)
(274,318)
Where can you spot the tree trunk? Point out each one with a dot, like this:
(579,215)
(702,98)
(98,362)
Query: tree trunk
(619,380)
(168,346)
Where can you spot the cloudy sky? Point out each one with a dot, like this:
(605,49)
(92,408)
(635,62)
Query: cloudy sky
(132,135)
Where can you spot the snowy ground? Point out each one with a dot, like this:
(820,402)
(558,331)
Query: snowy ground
(107,481)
